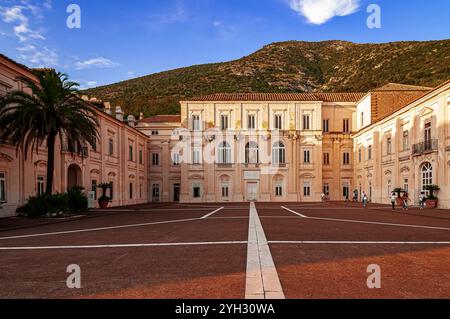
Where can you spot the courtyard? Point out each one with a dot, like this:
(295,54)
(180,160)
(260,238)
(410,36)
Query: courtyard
(230,250)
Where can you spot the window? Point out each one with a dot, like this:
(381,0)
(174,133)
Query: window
(307,156)
(427,133)
(307,189)
(196,156)
(141,157)
(251,121)
(155,159)
(130,153)
(427,176)
(155,133)
(306,122)
(225,190)
(131,190)
(224,122)
(196,191)
(196,122)
(224,153)
(94,144)
(346,126)
(359,155)
(346,159)
(369,153)
(389,187)
(111,147)
(326,158)
(326,189)
(326,126)
(405,140)
(251,153)
(362,119)
(406,185)
(346,191)
(2,187)
(94,188)
(278,122)
(176,159)
(155,192)
(140,190)
(279,190)
(278,153)
(389,145)
(40,185)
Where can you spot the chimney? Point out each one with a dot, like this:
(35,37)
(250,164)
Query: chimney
(108,108)
(119,113)
(131,120)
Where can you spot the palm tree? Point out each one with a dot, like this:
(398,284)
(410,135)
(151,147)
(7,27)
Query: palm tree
(52,108)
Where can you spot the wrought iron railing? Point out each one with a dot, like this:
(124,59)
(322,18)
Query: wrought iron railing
(425,147)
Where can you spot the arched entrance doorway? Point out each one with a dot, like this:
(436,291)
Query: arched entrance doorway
(427,176)
(73,176)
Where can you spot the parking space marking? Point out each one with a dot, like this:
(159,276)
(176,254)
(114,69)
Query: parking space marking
(366,222)
(262,281)
(294,212)
(327,242)
(212,213)
(99,229)
(125,245)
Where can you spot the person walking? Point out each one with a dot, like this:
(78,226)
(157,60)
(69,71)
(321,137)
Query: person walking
(364,199)
(405,199)
(422,200)
(393,200)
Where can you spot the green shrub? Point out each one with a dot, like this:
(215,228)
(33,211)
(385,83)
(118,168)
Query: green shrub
(74,201)
(77,201)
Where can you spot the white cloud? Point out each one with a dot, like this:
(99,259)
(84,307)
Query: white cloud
(99,62)
(320,11)
(38,57)
(16,15)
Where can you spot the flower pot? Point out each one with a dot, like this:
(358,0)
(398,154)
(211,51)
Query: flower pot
(432,203)
(103,204)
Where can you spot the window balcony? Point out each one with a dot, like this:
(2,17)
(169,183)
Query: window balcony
(224,166)
(425,147)
(82,151)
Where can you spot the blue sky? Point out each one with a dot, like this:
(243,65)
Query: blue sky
(121,39)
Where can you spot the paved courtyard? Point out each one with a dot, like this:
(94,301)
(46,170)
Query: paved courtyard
(235,250)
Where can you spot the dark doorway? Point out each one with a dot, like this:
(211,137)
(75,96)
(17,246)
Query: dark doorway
(176,192)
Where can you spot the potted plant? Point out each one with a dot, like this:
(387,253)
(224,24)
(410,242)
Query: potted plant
(103,201)
(432,201)
(399,199)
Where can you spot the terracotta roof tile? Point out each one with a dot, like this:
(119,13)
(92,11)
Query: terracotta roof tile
(401,87)
(261,97)
(162,119)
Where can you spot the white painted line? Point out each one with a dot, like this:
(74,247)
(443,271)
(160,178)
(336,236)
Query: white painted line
(212,213)
(318,242)
(367,222)
(262,281)
(125,245)
(294,212)
(99,229)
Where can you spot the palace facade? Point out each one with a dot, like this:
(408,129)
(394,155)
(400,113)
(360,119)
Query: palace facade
(250,147)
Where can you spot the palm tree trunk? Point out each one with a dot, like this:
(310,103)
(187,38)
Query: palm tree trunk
(50,163)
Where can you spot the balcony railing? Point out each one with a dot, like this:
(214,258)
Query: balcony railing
(82,151)
(425,147)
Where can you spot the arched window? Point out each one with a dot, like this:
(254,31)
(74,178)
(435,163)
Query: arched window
(427,175)
(251,153)
(224,153)
(278,153)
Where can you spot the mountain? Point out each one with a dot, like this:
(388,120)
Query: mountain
(292,66)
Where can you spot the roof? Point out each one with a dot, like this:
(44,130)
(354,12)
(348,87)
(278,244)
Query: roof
(16,63)
(406,105)
(162,119)
(401,87)
(259,97)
